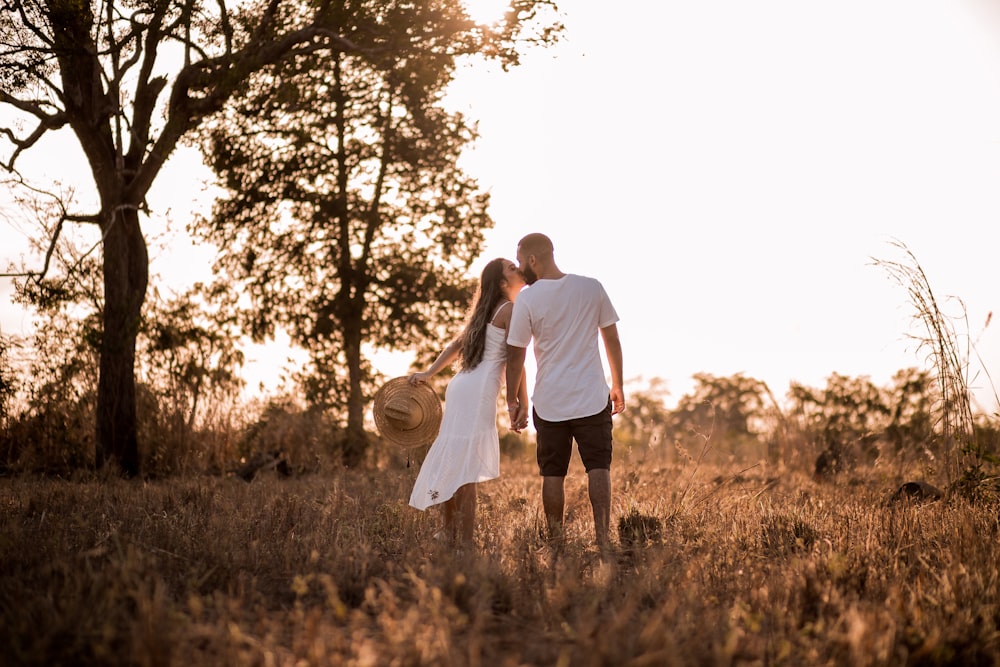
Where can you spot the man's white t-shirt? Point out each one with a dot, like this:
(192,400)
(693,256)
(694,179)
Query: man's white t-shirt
(564,316)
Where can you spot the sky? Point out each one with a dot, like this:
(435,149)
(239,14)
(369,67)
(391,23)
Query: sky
(728,169)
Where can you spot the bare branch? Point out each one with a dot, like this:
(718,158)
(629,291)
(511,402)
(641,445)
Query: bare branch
(34,107)
(64,217)
(147,90)
(46,122)
(227,26)
(180,30)
(132,35)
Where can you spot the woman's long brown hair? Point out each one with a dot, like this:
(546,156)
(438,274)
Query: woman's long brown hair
(488,297)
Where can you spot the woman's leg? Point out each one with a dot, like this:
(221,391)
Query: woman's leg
(448,513)
(465,513)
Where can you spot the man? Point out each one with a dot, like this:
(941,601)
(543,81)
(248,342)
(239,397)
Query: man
(564,313)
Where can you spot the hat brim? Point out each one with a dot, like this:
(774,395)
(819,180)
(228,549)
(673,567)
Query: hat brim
(430,407)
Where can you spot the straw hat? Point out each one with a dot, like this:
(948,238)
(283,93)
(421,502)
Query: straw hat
(407,415)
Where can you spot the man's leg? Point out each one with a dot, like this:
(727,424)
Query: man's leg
(594,440)
(599,486)
(553,502)
(554,447)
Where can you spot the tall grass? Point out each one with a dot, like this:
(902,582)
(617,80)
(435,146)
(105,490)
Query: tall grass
(949,352)
(335,568)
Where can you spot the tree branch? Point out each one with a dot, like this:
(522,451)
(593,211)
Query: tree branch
(64,217)
(147,90)
(227,26)
(30,24)
(116,47)
(218,79)
(46,122)
(34,107)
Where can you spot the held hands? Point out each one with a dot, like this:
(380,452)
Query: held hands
(518,414)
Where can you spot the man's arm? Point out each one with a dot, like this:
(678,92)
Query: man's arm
(613,348)
(517,409)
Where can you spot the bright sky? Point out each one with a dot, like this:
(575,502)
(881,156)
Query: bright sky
(728,168)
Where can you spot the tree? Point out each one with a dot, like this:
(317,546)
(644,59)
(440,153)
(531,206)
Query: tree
(846,419)
(189,370)
(725,409)
(129,81)
(642,428)
(192,353)
(188,355)
(8,384)
(54,430)
(347,218)
(911,407)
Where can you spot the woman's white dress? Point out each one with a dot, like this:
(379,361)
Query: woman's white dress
(467,448)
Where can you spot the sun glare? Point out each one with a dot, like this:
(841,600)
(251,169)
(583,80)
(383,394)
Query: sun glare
(486,11)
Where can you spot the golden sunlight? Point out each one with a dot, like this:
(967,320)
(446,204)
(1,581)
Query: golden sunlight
(486,11)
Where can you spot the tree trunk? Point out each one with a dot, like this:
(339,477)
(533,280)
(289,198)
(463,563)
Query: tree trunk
(126,274)
(356,442)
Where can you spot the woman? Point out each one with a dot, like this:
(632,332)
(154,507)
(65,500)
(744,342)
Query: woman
(467,448)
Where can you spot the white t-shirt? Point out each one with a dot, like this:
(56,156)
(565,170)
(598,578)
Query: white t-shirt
(564,317)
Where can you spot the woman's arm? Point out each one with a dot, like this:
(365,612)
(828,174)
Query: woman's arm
(517,399)
(522,392)
(448,355)
(516,378)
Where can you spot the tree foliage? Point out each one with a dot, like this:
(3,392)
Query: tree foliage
(724,410)
(847,411)
(848,421)
(128,81)
(852,420)
(8,381)
(910,408)
(642,429)
(191,353)
(348,220)
(54,430)
(190,368)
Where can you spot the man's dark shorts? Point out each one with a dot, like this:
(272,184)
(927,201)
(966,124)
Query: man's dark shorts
(555,442)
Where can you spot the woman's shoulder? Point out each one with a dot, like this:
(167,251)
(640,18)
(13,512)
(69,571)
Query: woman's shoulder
(501,316)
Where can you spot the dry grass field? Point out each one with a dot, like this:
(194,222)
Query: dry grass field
(767,568)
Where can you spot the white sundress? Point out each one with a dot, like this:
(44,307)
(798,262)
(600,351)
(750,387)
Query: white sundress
(467,448)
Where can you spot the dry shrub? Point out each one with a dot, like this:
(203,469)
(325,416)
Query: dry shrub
(309,439)
(55,436)
(636,529)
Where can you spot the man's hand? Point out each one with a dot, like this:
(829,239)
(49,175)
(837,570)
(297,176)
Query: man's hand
(617,400)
